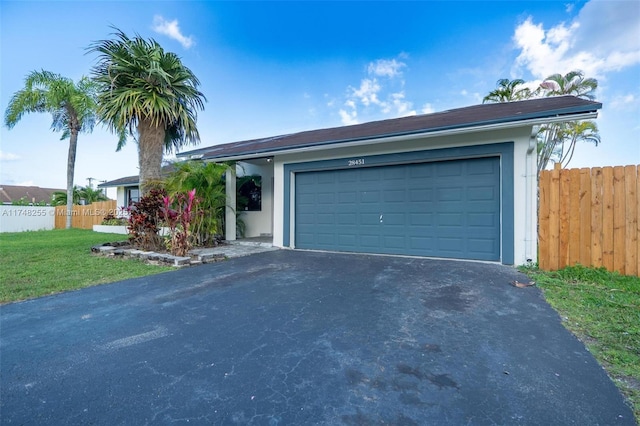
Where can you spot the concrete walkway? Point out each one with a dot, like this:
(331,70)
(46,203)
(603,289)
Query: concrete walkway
(238,248)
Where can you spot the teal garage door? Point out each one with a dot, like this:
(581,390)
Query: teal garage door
(441,209)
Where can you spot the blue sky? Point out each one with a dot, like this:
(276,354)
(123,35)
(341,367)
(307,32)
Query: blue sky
(270,68)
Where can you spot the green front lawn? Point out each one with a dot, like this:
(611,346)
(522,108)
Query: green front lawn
(603,310)
(34,264)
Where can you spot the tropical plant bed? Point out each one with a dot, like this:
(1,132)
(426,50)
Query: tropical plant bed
(122,249)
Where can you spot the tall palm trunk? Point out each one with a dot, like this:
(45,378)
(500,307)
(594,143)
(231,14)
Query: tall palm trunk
(150,150)
(71,164)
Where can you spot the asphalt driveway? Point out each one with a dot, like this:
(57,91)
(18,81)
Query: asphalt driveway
(296,338)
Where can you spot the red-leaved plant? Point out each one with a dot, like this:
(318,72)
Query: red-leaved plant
(178,214)
(144,221)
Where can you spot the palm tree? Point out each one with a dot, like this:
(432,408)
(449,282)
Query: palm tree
(87,193)
(558,141)
(508,91)
(572,83)
(553,138)
(72,107)
(148,94)
(90,195)
(60,198)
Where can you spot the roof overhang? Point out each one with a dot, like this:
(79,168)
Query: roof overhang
(394,137)
(115,184)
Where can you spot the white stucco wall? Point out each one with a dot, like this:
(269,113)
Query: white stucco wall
(525,219)
(120,197)
(26,218)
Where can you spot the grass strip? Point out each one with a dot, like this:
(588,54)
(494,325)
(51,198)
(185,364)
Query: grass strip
(603,310)
(40,263)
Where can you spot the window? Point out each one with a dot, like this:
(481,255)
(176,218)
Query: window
(249,193)
(132,195)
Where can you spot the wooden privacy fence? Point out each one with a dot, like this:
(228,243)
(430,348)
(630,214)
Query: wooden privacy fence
(590,217)
(84,217)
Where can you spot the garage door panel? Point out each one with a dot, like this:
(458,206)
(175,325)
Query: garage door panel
(450,194)
(393,173)
(422,243)
(420,195)
(482,220)
(394,196)
(416,219)
(369,241)
(450,245)
(348,240)
(481,193)
(370,197)
(449,169)
(445,209)
(370,174)
(326,219)
(481,245)
(346,176)
(369,219)
(326,198)
(346,219)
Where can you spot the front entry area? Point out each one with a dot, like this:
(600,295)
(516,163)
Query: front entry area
(447,209)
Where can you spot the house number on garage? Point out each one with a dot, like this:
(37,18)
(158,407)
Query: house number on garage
(357,162)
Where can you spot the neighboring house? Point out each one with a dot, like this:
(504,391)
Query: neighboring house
(456,184)
(128,188)
(30,194)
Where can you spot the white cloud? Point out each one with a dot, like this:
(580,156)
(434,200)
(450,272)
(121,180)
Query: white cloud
(427,109)
(348,117)
(380,92)
(172,30)
(7,156)
(475,96)
(368,92)
(25,183)
(604,37)
(623,101)
(386,68)
(399,106)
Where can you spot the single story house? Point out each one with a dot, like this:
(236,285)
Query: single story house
(458,184)
(10,194)
(128,187)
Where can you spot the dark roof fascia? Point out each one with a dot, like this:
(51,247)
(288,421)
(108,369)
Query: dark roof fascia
(130,181)
(125,182)
(559,113)
(381,136)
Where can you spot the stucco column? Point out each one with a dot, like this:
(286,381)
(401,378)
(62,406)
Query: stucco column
(230,211)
